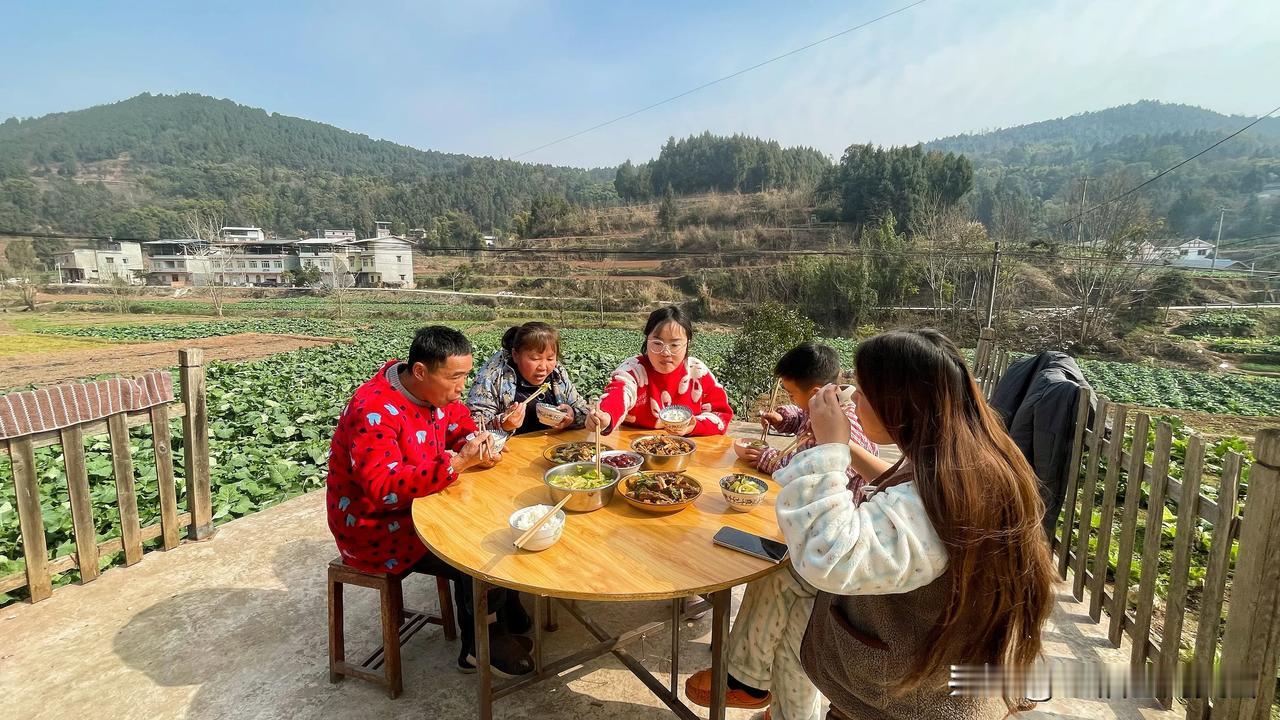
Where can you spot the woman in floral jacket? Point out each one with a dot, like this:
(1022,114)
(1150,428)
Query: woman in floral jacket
(528,359)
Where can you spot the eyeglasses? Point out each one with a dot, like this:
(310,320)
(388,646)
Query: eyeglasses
(661,348)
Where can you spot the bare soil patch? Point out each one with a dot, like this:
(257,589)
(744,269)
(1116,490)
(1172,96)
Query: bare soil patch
(135,358)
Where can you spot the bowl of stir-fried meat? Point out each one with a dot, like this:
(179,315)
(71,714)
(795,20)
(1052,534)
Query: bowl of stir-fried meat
(570,452)
(660,492)
(587,490)
(665,453)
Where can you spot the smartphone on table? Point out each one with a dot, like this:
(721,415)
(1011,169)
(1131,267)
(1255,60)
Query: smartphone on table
(753,545)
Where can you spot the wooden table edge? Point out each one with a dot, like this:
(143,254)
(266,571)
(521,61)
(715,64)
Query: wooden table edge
(596,597)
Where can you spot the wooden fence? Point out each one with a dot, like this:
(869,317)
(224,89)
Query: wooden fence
(989,362)
(198,522)
(1113,480)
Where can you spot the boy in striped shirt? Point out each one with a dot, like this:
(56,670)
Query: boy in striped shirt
(804,370)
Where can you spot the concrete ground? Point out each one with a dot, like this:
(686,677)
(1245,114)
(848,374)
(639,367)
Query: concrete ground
(234,627)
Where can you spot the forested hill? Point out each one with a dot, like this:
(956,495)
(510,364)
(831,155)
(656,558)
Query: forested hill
(281,172)
(1080,133)
(1035,170)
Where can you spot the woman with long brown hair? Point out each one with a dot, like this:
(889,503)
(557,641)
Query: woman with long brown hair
(943,564)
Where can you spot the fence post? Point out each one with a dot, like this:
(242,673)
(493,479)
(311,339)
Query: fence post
(1086,498)
(982,356)
(195,446)
(30,520)
(1107,512)
(1252,641)
(1073,490)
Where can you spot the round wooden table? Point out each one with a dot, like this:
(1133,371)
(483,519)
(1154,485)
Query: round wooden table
(617,553)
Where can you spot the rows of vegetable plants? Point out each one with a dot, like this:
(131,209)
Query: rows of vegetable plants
(1160,387)
(212,328)
(271,419)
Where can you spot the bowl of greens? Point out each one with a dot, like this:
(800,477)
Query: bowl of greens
(743,492)
(587,488)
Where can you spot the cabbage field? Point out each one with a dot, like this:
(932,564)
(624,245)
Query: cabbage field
(271,419)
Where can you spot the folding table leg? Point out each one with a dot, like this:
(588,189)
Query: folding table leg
(480,615)
(677,606)
(719,652)
(540,603)
(549,623)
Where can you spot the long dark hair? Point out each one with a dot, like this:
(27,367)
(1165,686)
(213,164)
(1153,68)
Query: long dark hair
(531,336)
(662,316)
(981,497)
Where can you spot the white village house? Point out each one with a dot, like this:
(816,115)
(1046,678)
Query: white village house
(101,265)
(179,262)
(247,256)
(1171,249)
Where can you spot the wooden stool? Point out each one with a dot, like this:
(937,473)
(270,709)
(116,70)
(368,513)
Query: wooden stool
(398,625)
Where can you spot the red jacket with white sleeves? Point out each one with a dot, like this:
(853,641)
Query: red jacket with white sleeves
(638,392)
(386,451)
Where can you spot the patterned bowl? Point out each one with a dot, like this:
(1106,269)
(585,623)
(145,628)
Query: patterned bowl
(741,501)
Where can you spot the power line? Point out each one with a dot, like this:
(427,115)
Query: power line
(1240,241)
(721,79)
(1168,170)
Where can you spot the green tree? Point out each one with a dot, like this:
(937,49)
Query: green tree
(768,331)
(305,276)
(835,291)
(667,211)
(21,255)
(547,216)
(21,273)
(48,249)
(1171,287)
(896,273)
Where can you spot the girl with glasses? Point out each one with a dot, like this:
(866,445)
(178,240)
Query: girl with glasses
(664,375)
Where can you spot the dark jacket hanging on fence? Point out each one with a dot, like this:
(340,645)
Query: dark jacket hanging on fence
(1037,399)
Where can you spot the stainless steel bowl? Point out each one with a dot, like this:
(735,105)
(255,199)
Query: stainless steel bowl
(665,463)
(582,500)
(629,470)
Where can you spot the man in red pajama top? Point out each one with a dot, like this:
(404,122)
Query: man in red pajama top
(404,435)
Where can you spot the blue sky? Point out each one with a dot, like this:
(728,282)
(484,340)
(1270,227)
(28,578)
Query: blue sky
(499,77)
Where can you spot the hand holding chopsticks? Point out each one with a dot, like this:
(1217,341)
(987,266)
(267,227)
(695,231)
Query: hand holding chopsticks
(524,403)
(773,399)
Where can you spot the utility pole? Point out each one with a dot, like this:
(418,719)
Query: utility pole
(1222,216)
(1084,191)
(995,273)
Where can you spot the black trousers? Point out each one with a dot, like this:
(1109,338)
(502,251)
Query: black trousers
(463,592)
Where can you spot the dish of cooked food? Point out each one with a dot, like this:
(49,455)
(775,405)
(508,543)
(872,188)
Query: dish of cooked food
(661,488)
(663,445)
(622,460)
(572,452)
(744,484)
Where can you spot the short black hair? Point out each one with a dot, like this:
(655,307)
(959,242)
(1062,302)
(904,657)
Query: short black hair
(810,364)
(434,344)
(664,315)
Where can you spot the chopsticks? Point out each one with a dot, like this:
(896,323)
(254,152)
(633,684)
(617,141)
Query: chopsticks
(525,402)
(795,443)
(486,445)
(599,472)
(773,398)
(520,541)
